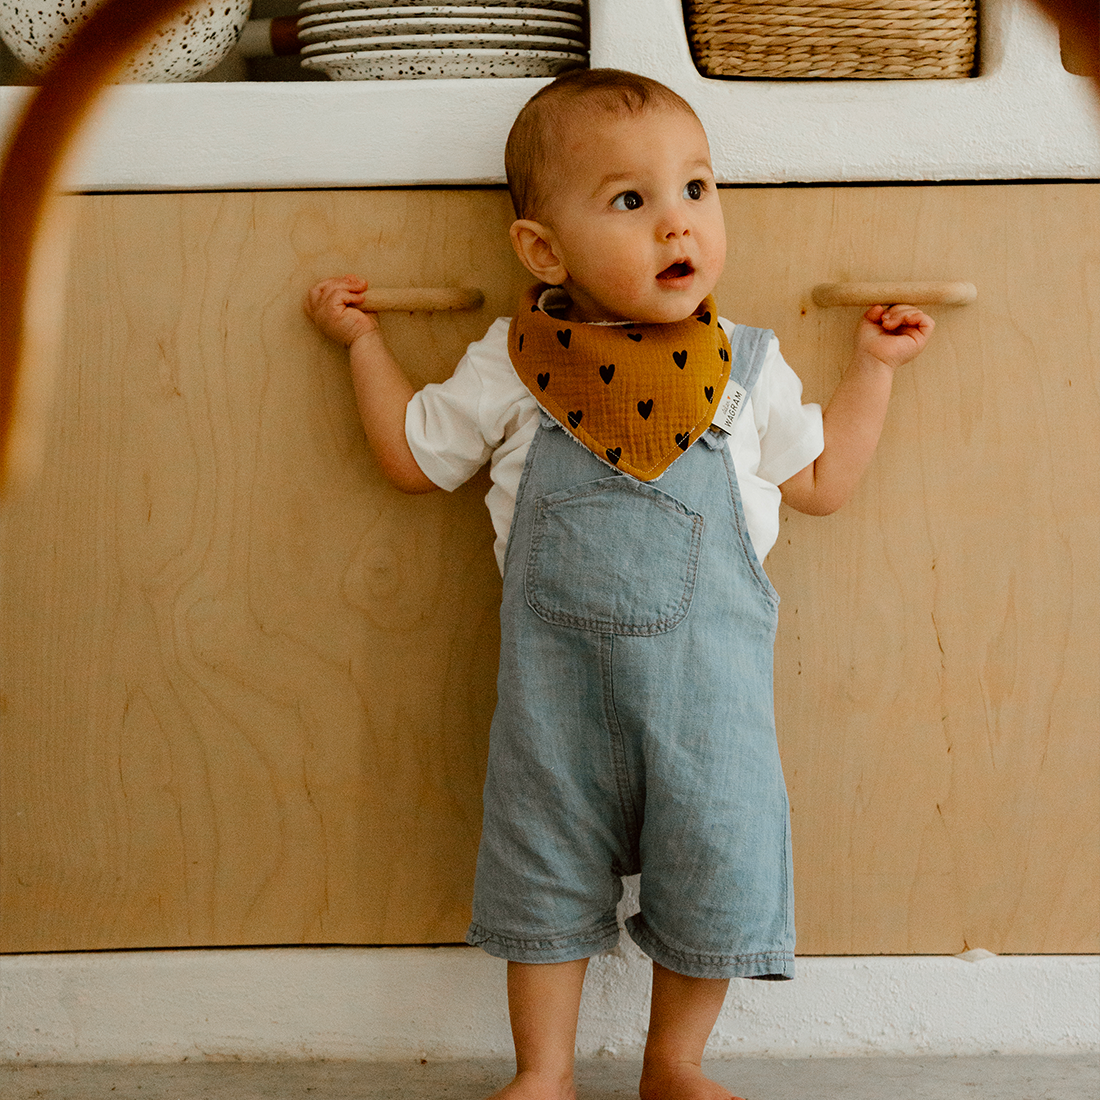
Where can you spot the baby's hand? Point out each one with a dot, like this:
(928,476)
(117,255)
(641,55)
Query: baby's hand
(893,334)
(332,305)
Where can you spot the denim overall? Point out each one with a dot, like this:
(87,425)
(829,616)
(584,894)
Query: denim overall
(635,729)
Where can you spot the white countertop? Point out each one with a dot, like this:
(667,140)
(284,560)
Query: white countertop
(1023,117)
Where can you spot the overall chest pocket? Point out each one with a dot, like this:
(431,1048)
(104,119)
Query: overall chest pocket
(613,556)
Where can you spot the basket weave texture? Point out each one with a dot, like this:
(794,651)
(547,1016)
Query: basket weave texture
(833,39)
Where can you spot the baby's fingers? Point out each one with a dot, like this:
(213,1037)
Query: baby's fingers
(350,287)
(335,306)
(341,284)
(332,296)
(902,316)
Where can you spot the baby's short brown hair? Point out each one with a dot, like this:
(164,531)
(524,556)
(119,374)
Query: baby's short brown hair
(532,143)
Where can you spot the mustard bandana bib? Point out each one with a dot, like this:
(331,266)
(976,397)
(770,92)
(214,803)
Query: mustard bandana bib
(636,395)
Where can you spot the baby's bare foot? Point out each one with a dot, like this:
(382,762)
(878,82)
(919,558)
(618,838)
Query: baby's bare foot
(536,1086)
(682,1081)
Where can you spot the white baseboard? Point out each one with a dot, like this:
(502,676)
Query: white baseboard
(394,1003)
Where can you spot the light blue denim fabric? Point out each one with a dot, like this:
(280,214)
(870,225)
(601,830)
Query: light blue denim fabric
(635,728)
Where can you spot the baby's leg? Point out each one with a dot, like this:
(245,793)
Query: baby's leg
(544,1000)
(682,1015)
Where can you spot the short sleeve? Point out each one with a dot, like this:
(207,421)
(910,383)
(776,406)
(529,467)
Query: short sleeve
(791,433)
(453,427)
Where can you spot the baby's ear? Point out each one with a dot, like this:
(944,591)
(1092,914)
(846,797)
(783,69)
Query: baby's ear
(534,246)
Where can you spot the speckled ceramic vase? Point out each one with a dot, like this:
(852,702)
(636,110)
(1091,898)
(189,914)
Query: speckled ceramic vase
(185,48)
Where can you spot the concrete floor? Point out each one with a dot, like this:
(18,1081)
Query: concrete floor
(1061,1077)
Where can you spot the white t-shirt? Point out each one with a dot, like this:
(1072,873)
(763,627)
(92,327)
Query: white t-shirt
(483,412)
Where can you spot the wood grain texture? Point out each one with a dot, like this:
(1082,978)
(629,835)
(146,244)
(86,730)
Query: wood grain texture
(246,686)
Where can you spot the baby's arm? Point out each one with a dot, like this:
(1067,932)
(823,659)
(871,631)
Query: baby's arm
(888,337)
(381,389)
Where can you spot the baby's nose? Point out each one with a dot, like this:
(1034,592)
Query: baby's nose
(671,228)
(673,221)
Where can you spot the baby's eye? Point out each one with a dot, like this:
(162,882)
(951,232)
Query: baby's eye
(628,200)
(694,190)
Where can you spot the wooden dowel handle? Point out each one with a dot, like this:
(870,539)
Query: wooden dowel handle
(421,299)
(886,294)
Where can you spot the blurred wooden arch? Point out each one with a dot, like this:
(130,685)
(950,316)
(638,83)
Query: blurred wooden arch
(33,232)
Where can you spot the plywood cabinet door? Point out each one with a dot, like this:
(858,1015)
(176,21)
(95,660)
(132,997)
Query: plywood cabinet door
(938,664)
(245,685)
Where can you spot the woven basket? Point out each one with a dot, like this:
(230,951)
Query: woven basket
(833,39)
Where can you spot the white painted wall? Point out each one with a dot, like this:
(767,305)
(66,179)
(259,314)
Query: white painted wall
(1024,117)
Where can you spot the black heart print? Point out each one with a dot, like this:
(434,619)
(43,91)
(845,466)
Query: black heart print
(682,440)
(635,336)
(723,355)
(563,337)
(614,454)
(645,408)
(607,373)
(708,390)
(681,358)
(543,380)
(704,317)
(575,417)
(521,341)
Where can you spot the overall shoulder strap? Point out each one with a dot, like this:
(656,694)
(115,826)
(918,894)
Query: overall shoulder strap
(748,348)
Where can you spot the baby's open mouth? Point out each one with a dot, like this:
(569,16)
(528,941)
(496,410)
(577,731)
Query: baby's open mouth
(678,270)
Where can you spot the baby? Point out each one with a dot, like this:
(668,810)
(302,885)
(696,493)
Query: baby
(639,448)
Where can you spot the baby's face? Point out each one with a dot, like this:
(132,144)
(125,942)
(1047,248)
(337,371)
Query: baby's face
(635,216)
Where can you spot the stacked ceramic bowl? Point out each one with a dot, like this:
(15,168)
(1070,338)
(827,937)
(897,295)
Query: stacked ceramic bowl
(184,48)
(410,39)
